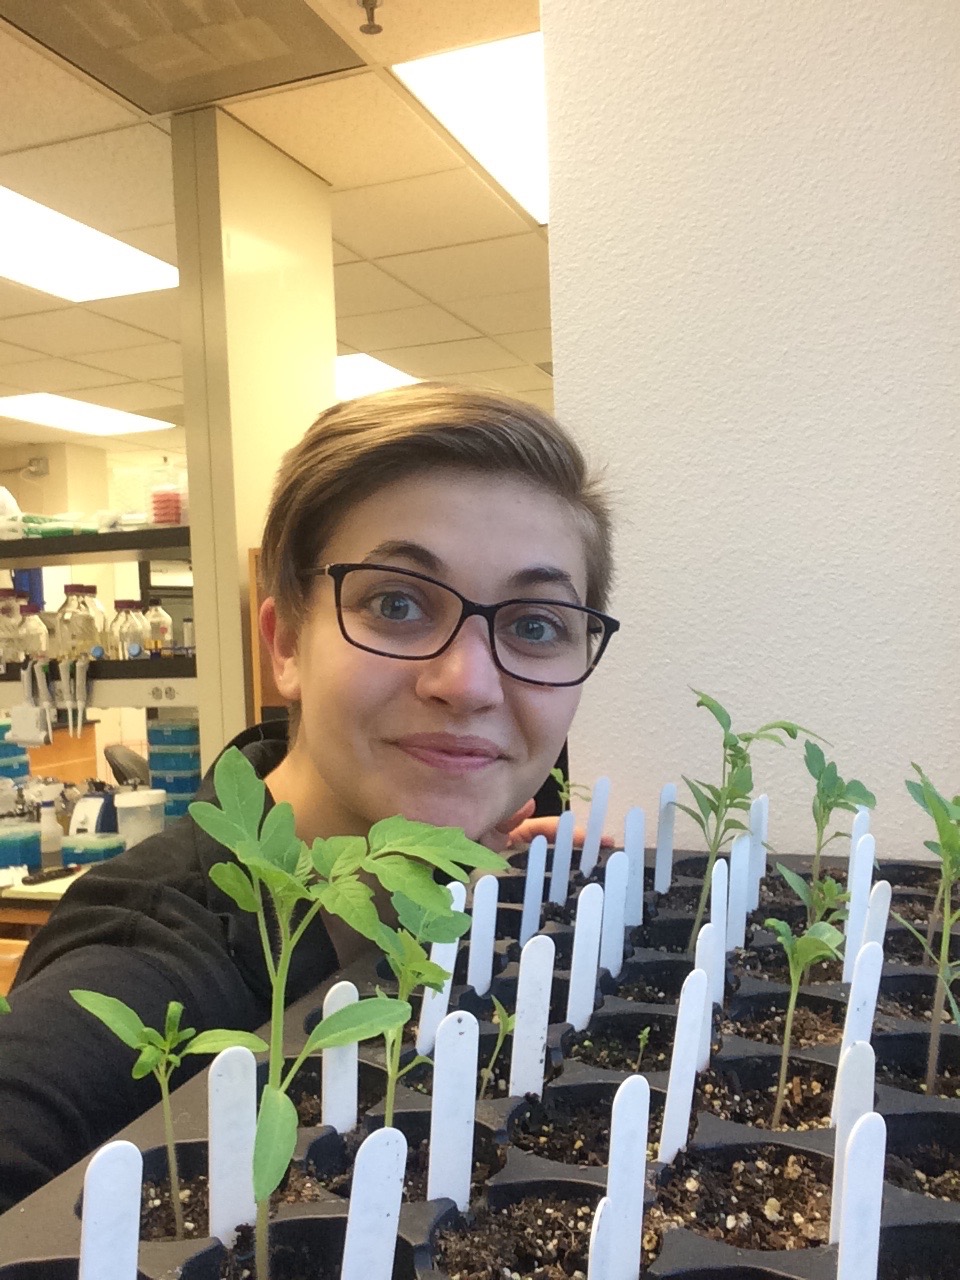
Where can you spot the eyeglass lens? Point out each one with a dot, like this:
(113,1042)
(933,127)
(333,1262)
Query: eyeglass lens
(401,616)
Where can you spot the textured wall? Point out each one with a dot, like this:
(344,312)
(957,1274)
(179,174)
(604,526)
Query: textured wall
(755,276)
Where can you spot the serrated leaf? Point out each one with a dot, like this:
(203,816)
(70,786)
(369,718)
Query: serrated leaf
(427,926)
(363,1020)
(217,1040)
(440,846)
(323,854)
(235,883)
(278,841)
(350,852)
(703,803)
(240,792)
(275,1141)
(352,901)
(415,964)
(720,714)
(216,824)
(814,759)
(119,1017)
(413,880)
(284,888)
(856,793)
(150,1058)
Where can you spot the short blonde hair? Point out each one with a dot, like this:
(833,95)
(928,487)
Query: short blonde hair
(359,446)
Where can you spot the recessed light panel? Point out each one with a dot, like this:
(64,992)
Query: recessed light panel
(48,410)
(48,251)
(492,99)
(361,375)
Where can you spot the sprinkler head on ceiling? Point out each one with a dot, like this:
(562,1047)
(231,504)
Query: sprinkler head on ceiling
(370,27)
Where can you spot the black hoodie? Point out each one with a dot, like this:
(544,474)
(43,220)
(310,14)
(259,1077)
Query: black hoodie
(147,927)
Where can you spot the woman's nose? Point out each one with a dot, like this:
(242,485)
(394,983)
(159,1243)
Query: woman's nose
(465,675)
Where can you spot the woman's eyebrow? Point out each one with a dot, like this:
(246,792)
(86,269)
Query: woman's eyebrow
(535,576)
(540,575)
(398,549)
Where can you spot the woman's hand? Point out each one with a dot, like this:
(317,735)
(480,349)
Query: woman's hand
(522,826)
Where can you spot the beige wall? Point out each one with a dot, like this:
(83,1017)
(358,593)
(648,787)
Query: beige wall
(755,279)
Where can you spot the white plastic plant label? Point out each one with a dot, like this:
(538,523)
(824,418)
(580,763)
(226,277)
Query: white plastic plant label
(666,816)
(562,857)
(231,1129)
(718,918)
(861,1003)
(586,956)
(705,958)
(634,837)
(859,881)
(878,910)
(862,1199)
(600,1251)
(739,892)
(339,1068)
(533,889)
(434,1005)
(614,905)
(374,1213)
(859,827)
(683,1066)
(853,1098)
(757,822)
(483,931)
(599,799)
(110,1228)
(533,1016)
(452,1108)
(626,1177)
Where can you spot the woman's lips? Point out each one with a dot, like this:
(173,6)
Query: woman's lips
(451,754)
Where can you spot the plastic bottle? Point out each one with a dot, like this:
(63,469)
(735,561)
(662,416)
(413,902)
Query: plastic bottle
(32,635)
(188,641)
(75,627)
(98,612)
(159,626)
(165,501)
(9,624)
(130,632)
(51,833)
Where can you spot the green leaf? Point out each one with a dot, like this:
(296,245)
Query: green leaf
(278,842)
(235,884)
(151,1037)
(4,1005)
(119,1017)
(350,851)
(691,813)
(791,729)
(284,888)
(446,848)
(740,783)
(409,958)
(171,1026)
(797,884)
(707,809)
(506,1021)
(856,793)
(240,792)
(821,942)
(323,854)
(427,925)
(783,932)
(414,880)
(274,1143)
(916,790)
(352,901)
(827,782)
(719,714)
(216,824)
(218,1040)
(814,758)
(363,1020)
(150,1058)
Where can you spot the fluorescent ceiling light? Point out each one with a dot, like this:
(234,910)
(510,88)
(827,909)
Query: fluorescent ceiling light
(492,99)
(47,410)
(45,250)
(360,375)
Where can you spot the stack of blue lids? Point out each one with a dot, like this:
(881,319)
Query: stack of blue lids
(14,761)
(174,760)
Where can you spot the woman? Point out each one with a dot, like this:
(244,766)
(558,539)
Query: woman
(436,564)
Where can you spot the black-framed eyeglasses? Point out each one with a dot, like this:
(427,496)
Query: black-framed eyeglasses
(399,613)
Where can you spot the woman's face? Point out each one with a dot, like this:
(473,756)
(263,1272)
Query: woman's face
(449,740)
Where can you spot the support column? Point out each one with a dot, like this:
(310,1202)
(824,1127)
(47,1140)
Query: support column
(259,345)
(754,279)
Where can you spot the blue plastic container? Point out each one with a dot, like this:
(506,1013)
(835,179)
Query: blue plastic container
(175,807)
(20,844)
(17,766)
(85,849)
(8,748)
(177,759)
(176,784)
(173,733)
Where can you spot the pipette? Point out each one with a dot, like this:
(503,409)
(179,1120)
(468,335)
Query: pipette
(40,671)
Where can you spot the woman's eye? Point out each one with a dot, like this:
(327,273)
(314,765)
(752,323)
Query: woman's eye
(536,630)
(394,606)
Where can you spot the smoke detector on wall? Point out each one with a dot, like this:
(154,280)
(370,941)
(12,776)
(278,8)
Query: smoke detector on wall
(370,27)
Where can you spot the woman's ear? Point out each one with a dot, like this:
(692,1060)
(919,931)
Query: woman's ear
(280,639)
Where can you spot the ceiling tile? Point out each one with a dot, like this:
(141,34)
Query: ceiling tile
(172,384)
(158,360)
(422,27)
(506,312)
(475,270)
(17,300)
(353,131)
(160,241)
(542,399)
(70,332)
(10,353)
(134,397)
(422,213)
(448,358)
(44,102)
(534,346)
(157,312)
(54,375)
(409,326)
(525,377)
(342,254)
(344,350)
(111,181)
(361,287)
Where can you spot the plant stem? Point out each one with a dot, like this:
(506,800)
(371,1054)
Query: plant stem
(935,913)
(487,1072)
(714,849)
(785,1056)
(262,1240)
(171,1153)
(940,998)
(394,1045)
